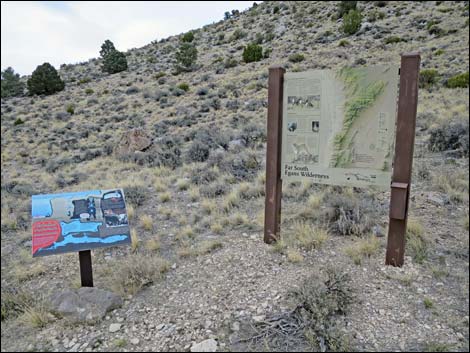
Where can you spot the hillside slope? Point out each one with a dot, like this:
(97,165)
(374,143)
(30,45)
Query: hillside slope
(201,184)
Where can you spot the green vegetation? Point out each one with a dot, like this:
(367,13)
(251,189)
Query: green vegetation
(363,248)
(252,52)
(428,304)
(187,37)
(428,78)
(345,6)
(296,58)
(186,57)
(458,81)
(184,86)
(352,22)
(11,84)
(113,60)
(359,98)
(45,80)
(18,121)
(70,109)
(415,242)
(89,91)
(392,40)
(343,43)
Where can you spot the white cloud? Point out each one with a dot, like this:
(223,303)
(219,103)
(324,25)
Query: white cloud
(70,32)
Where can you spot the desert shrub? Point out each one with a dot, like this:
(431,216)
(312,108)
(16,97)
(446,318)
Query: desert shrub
(203,175)
(242,166)
(230,62)
(352,22)
(89,91)
(45,80)
(186,57)
(11,84)
(136,272)
(212,137)
(183,86)
(136,194)
(312,324)
(252,52)
(187,37)
(436,30)
(214,189)
(70,109)
(84,80)
(198,152)
(18,121)
(347,214)
(237,34)
(450,135)
(392,40)
(345,6)
(460,80)
(428,78)
(296,58)
(132,90)
(343,43)
(114,61)
(202,91)
(275,10)
(416,242)
(252,134)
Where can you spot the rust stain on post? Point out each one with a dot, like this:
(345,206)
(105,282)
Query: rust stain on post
(272,215)
(404,147)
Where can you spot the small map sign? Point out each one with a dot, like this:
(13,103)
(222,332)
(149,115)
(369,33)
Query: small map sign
(78,221)
(339,126)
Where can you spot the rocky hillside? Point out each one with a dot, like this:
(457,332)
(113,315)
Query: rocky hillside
(193,174)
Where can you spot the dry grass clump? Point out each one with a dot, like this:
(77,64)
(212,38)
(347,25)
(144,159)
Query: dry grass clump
(308,236)
(132,273)
(165,197)
(153,244)
(134,240)
(208,206)
(185,233)
(216,227)
(182,184)
(147,222)
(416,243)
(130,211)
(363,248)
(203,248)
(294,256)
(231,200)
(194,193)
(455,185)
(160,185)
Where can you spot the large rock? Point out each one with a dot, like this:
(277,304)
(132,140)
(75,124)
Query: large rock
(86,304)
(132,141)
(205,346)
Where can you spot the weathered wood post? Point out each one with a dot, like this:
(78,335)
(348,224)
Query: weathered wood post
(404,147)
(272,215)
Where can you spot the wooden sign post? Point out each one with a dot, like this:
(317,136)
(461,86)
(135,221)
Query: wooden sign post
(401,179)
(272,215)
(404,147)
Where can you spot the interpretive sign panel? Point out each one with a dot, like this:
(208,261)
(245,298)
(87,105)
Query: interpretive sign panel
(339,126)
(78,221)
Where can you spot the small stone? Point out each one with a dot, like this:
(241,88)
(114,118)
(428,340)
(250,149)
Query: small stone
(114,327)
(209,345)
(135,341)
(258,318)
(236,326)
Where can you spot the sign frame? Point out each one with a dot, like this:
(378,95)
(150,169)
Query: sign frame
(402,163)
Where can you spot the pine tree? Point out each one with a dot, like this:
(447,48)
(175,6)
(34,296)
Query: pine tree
(113,60)
(45,80)
(11,84)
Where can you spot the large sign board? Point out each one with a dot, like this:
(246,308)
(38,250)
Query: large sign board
(339,126)
(78,221)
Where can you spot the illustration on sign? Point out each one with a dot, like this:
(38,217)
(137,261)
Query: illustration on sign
(339,127)
(77,221)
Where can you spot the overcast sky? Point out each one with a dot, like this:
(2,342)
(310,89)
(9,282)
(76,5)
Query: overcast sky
(72,31)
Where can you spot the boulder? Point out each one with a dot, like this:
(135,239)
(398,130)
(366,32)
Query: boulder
(209,345)
(133,141)
(86,304)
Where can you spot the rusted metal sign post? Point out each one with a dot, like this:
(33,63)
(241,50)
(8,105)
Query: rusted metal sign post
(404,147)
(272,215)
(401,179)
(86,270)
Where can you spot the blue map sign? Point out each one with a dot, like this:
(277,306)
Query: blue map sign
(77,221)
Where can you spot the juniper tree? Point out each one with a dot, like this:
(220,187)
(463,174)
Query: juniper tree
(186,57)
(11,84)
(45,80)
(113,60)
